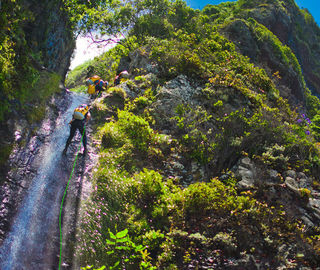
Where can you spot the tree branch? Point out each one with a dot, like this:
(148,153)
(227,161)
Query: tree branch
(104,42)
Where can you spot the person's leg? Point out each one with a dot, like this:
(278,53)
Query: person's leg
(82,130)
(98,89)
(73,129)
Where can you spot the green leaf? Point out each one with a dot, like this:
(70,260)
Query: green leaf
(122,233)
(122,248)
(139,248)
(110,242)
(122,240)
(112,235)
(116,264)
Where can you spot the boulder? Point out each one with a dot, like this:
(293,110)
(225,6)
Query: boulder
(246,173)
(139,60)
(198,172)
(292,185)
(314,205)
(274,176)
(173,93)
(291,173)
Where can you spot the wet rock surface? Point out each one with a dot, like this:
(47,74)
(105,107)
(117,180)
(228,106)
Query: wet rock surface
(34,187)
(78,191)
(24,160)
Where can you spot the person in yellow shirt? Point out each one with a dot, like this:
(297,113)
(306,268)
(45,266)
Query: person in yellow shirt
(80,118)
(95,85)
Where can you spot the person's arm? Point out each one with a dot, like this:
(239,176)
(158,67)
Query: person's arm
(106,84)
(88,117)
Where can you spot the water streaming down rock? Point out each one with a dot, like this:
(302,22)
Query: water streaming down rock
(33,241)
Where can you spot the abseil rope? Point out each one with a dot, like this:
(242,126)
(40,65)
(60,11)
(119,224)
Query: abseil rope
(65,192)
(64,195)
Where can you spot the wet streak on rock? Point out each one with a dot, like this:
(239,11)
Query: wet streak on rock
(30,207)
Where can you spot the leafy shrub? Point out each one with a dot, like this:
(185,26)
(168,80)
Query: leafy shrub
(315,126)
(118,91)
(147,188)
(274,156)
(138,104)
(210,10)
(111,136)
(312,104)
(153,239)
(136,128)
(148,192)
(77,76)
(129,127)
(123,253)
(213,196)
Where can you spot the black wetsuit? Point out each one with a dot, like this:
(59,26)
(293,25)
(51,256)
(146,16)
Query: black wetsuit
(80,125)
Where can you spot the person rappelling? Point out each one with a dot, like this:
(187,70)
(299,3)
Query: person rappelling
(80,118)
(95,85)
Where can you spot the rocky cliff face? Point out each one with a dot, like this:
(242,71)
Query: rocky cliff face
(297,29)
(49,34)
(22,164)
(47,48)
(293,27)
(40,45)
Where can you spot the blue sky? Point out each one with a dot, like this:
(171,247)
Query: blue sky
(312,5)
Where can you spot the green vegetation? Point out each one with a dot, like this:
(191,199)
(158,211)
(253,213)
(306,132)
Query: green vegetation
(46,85)
(16,71)
(22,58)
(282,52)
(104,66)
(141,215)
(73,77)
(164,194)
(5,152)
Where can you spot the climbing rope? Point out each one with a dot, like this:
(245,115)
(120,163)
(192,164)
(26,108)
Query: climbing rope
(64,195)
(66,189)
